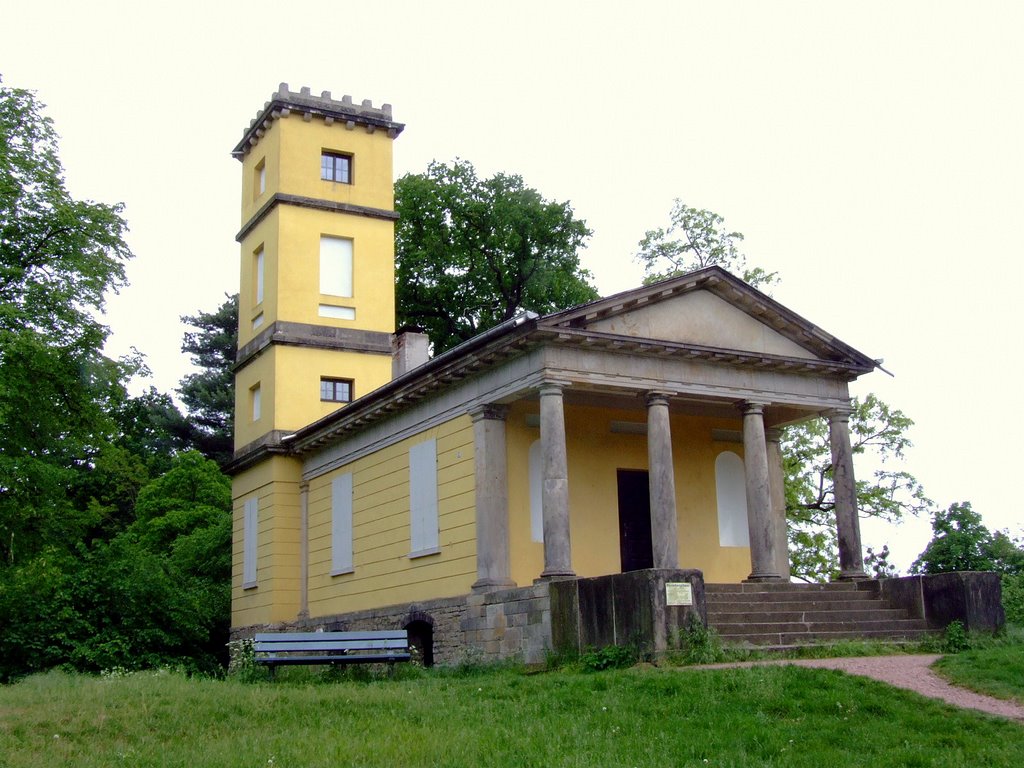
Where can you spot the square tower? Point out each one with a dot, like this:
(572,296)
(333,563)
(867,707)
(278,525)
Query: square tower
(316,314)
(317,301)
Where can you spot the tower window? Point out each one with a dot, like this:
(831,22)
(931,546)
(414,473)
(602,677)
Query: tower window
(258,263)
(260,185)
(336,390)
(255,401)
(336,167)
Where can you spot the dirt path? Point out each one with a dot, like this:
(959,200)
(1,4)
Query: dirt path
(908,671)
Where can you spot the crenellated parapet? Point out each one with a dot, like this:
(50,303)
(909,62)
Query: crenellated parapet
(285,104)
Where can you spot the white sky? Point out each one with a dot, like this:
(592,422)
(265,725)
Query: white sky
(871,152)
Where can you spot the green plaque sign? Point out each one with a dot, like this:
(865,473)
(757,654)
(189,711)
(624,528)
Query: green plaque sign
(678,593)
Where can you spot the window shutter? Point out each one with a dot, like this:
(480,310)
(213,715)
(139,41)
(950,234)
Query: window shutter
(341,524)
(423,513)
(250,534)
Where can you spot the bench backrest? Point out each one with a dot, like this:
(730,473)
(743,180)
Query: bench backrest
(386,640)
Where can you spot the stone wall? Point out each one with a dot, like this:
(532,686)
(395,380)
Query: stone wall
(971,597)
(510,623)
(507,624)
(527,623)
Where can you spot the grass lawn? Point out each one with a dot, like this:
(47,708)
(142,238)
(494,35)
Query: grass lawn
(779,716)
(995,666)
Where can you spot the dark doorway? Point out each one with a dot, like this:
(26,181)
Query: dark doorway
(635,520)
(421,637)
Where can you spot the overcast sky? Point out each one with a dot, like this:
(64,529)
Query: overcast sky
(871,153)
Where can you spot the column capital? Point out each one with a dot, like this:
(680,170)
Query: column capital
(552,386)
(489,411)
(839,413)
(772,434)
(656,397)
(753,406)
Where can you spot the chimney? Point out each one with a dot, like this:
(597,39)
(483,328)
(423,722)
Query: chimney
(410,348)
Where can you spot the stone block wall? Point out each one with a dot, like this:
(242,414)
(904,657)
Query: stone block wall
(527,623)
(972,597)
(510,623)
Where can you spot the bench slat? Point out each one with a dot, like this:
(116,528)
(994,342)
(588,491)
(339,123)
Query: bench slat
(347,659)
(346,645)
(390,634)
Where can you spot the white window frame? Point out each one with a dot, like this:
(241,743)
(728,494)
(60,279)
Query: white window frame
(257,402)
(258,269)
(731,498)
(535,464)
(250,542)
(341,525)
(336,258)
(424,533)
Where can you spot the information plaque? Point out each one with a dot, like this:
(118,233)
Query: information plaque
(678,593)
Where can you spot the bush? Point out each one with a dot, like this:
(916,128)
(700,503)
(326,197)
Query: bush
(1013,598)
(609,657)
(698,643)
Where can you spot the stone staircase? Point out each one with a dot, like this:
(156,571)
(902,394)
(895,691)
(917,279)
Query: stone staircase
(773,615)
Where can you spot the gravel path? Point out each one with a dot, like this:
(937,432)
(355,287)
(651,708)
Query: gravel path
(905,671)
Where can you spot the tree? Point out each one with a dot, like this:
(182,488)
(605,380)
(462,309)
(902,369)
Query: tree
(695,238)
(878,433)
(961,542)
(58,259)
(156,593)
(209,394)
(472,253)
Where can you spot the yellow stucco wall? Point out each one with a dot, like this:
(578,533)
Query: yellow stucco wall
(384,574)
(594,455)
(289,381)
(290,239)
(291,148)
(275,483)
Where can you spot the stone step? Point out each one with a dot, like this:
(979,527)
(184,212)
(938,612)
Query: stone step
(719,618)
(836,586)
(812,627)
(788,639)
(817,598)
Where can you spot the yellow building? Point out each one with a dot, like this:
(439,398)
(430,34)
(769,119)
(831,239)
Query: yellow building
(480,497)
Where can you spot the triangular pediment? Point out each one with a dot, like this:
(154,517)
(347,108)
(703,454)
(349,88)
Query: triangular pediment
(702,318)
(709,308)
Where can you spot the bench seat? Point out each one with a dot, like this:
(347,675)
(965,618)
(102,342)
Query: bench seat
(273,649)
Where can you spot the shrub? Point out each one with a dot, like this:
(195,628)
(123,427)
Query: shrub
(698,643)
(1013,598)
(609,657)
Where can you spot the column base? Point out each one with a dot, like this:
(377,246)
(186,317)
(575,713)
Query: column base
(492,585)
(555,575)
(852,576)
(761,578)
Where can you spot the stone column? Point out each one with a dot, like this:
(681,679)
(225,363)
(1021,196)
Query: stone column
(555,493)
(851,557)
(664,536)
(492,557)
(303,551)
(777,493)
(763,559)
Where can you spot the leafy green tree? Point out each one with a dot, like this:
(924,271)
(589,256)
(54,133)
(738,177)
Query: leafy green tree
(961,542)
(878,432)
(696,238)
(58,259)
(209,394)
(156,593)
(472,253)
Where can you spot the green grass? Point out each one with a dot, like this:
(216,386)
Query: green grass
(991,665)
(636,717)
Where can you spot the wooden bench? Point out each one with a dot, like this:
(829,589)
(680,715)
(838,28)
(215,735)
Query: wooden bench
(382,647)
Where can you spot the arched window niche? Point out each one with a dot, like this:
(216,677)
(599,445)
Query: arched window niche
(731,493)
